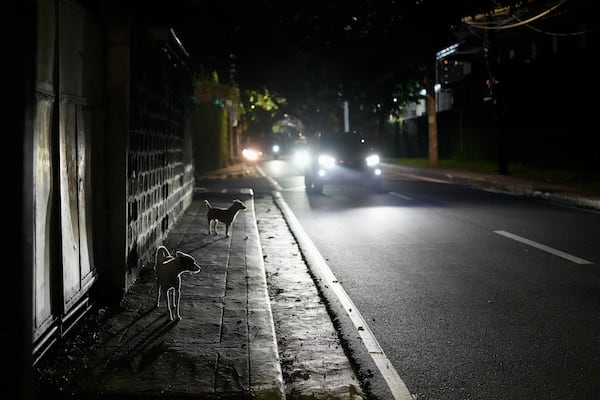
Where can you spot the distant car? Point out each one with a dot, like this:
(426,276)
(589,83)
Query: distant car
(252,153)
(341,157)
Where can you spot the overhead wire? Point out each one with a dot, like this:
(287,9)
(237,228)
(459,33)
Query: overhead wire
(562,34)
(497,27)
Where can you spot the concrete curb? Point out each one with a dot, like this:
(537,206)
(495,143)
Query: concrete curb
(373,382)
(266,379)
(557,194)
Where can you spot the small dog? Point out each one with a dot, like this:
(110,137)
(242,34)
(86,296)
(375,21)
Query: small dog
(168,276)
(225,215)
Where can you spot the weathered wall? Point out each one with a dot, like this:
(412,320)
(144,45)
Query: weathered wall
(68,115)
(112,158)
(160,173)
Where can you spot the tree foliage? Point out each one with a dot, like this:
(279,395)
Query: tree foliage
(259,109)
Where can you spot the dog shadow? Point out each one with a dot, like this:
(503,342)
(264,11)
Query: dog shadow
(210,239)
(209,242)
(147,348)
(141,313)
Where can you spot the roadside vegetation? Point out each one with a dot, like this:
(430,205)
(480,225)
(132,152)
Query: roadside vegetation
(582,180)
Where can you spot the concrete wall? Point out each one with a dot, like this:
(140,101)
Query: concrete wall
(160,175)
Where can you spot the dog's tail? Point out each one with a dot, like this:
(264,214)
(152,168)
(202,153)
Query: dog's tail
(207,204)
(162,254)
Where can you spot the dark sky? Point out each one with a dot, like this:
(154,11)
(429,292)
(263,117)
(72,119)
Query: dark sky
(268,39)
(353,46)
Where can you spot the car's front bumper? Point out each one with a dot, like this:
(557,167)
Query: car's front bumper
(340,174)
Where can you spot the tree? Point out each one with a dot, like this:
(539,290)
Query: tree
(318,54)
(260,109)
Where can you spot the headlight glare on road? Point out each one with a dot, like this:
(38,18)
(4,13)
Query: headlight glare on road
(326,161)
(372,160)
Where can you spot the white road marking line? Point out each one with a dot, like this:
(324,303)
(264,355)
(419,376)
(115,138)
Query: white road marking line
(403,197)
(389,373)
(545,248)
(295,189)
(272,181)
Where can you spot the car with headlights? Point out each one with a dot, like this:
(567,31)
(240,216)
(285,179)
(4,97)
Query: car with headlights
(299,154)
(341,157)
(252,153)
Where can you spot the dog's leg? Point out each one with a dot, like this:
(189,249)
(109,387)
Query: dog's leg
(227,230)
(169,302)
(177,299)
(209,226)
(158,297)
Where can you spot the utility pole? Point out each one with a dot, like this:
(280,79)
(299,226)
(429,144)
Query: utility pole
(431,118)
(346,117)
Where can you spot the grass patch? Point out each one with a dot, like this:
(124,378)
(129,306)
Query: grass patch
(474,166)
(585,180)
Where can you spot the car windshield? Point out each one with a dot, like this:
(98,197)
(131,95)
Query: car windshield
(346,143)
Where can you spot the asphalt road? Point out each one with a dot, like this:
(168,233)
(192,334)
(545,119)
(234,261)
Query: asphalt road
(471,294)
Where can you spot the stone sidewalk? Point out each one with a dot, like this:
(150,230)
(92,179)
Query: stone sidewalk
(253,326)
(223,348)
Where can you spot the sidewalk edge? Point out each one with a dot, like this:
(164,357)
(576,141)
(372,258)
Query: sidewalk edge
(266,375)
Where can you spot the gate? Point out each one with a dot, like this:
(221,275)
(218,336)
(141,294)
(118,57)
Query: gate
(70,69)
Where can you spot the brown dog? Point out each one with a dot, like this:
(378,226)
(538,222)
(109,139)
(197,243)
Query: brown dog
(225,215)
(168,276)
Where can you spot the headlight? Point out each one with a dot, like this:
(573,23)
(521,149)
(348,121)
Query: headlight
(326,161)
(251,154)
(372,160)
(275,148)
